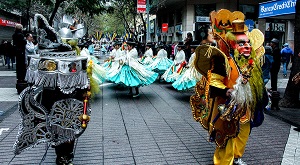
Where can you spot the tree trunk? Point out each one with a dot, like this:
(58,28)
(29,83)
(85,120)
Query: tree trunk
(56,6)
(145,28)
(27,14)
(291,94)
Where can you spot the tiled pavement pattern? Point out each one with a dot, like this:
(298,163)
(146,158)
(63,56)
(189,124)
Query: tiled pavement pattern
(156,128)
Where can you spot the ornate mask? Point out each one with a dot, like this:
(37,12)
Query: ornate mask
(242,44)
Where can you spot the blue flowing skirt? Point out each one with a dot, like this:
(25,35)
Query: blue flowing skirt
(131,77)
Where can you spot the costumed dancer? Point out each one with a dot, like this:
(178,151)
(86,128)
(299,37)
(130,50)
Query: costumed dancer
(231,96)
(118,60)
(119,54)
(131,72)
(148,55)
(160,62)
(191,76)
(177,67)
(108,62)
(61,83)
(99,73)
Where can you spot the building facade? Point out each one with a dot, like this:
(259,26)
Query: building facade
(7,24)
(183,16)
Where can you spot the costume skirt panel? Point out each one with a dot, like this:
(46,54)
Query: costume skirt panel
(146,60)
(173,73)
(132,77)
(187,80)
(160,65)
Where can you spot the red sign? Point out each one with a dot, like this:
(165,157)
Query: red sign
(141,6)
(164,27)
(4,22)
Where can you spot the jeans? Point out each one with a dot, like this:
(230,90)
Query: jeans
(284,68)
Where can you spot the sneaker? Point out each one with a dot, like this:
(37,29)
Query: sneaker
(136,95)
(239,161)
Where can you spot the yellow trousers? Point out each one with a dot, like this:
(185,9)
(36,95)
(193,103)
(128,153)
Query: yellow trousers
(235,147)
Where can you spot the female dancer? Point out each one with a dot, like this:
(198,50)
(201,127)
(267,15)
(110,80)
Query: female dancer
(131,73)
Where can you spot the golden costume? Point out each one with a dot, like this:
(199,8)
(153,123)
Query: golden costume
(229,97)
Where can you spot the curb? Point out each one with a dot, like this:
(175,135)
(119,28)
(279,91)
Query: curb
(282,118)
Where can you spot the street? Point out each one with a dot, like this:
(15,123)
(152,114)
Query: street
(156,128)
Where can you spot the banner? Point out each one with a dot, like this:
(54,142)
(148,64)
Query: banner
(4,22)
(164,27)
(141,6)
(276,8)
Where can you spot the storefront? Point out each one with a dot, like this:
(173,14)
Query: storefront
(7,24)
(276,20)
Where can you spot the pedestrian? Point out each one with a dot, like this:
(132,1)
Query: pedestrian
(276,64)
(286,56)
(267,64)
(30,48)
(19,43)
(187,42)
(7,51)
(229,95)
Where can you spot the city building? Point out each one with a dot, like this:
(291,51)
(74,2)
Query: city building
(8,20)
(183,16)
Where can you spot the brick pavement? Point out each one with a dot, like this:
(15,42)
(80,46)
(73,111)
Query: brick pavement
(156,128)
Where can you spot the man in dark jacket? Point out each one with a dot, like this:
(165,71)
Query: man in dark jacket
(19,43)
(274,73)
(276,64)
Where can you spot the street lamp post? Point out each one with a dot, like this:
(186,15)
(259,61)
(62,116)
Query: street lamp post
(148,22)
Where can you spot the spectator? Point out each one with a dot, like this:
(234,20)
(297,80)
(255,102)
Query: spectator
(30,48)
(19,49)
(286,55)
(8,52)
(187,44)
(267,64)
(276,64)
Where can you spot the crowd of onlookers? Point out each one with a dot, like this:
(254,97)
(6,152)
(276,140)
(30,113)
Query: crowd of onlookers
(7,56)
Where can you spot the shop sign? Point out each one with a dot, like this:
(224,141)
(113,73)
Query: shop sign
(276,27)
(4,22)
(178,28)
(276,8)
(141,6)
(202,19)
(164,27)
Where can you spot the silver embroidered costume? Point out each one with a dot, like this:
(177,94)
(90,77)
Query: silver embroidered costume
(52,107)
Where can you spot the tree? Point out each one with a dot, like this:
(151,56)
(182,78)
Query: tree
(88,7)
(291,94)
(127,12)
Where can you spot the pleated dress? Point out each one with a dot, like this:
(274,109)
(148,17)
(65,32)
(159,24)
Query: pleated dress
(173,72)
(160,62)
(130,72)
(189,78)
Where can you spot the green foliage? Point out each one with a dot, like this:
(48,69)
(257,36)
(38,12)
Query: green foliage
(14,5)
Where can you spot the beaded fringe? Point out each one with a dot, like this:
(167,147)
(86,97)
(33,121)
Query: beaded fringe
(66,82)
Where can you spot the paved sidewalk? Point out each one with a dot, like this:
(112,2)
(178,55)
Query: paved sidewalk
(156,128)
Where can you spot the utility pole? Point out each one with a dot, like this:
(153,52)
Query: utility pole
(148,21)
